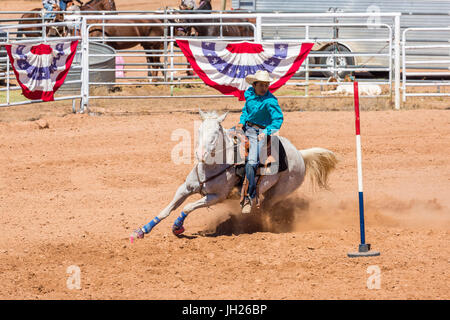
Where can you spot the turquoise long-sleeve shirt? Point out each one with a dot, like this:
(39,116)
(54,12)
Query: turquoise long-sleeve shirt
(262,110)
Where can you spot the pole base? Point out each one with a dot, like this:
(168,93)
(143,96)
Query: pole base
(363,251)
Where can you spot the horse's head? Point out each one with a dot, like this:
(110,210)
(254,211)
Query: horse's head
(184,31)
(210,137)
(187,5)
(191,31)
(205,5)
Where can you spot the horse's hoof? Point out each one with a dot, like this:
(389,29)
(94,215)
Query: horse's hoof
(177,230)
(137,234)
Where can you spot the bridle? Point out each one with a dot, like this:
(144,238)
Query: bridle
(188,30)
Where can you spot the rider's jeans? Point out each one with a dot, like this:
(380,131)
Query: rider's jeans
(253,157)
(62,5)
(49,15)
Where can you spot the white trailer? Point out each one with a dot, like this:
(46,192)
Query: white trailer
(368,54)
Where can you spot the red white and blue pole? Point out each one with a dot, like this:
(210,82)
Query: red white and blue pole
(364,248)
(359,163)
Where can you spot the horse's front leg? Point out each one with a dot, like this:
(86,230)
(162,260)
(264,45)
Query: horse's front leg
(182,193)
(206,201)
(153,64)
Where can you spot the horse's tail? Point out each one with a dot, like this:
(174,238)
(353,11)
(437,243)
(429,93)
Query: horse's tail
(319,162)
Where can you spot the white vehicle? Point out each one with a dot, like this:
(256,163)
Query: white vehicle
(415,13)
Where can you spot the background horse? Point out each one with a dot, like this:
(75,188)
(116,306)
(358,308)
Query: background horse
(93,5)
(51,31)
(213,30)
(99,5)
(127,31)
(138,32)
(214,180)
(209,31)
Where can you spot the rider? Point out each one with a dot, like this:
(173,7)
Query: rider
(261,116)
(63,4)
(55,5)
(49,6)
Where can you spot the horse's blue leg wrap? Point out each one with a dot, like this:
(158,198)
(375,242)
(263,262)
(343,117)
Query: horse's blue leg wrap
(149,226)
(180,220)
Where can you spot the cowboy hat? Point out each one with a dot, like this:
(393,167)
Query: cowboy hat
(260,75)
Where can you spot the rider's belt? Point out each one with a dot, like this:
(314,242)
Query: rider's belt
(255,125)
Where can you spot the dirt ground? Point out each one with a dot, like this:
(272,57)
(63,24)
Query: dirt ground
(73,192)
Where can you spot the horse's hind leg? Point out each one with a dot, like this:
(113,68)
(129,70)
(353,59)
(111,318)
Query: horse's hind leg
(285,186)
(157,62)
(153,62)
(266,183)
(206,201)
(150,60)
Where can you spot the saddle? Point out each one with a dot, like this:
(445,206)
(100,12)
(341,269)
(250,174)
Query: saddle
(271,161)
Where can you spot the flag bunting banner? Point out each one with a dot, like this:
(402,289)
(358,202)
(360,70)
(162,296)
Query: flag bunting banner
(224,65)
(41,69)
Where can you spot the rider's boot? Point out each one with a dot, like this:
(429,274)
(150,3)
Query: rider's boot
(249,200)
(247,205)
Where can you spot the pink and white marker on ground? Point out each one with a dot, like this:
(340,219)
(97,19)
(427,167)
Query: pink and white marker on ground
(120,67)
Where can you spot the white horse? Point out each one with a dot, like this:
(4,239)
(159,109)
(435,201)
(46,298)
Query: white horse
(215,179)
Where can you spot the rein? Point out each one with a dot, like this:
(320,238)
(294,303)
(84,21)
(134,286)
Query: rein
(212,177)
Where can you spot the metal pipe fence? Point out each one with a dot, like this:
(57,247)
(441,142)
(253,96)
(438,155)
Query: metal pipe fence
(6,73)
(411,77)
(174,70)
(169,53)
